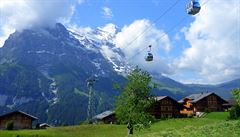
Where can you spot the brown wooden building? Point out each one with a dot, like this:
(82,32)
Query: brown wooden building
(21,120)
(107,117)
(202,102)
(165,107)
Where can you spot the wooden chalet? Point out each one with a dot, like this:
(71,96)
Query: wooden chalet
(202,102)
(20,120)
(107,117)
(165,107)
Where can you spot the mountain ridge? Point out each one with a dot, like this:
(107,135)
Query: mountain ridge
(44,72)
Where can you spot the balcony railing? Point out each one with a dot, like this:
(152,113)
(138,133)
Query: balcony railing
(186,112)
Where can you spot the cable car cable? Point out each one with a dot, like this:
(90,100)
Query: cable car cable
(165,34)
(156,20)
(184,18)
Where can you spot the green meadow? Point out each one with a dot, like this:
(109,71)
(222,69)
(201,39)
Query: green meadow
(214,124)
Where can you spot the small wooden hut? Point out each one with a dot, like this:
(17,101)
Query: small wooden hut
(19,119)
(107,117)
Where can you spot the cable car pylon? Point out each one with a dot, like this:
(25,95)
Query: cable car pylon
(90,83)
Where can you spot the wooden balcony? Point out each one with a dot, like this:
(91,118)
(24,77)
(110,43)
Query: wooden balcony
(186,112)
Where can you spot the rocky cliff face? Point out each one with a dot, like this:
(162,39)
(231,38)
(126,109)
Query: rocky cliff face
(44,71)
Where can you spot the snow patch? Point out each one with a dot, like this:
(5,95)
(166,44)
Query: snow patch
(19,101)
(98,65)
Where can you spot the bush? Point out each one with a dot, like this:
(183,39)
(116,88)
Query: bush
(38,126)
(9,125)
(86,122)
(206,110)
(234,112)
(189,115)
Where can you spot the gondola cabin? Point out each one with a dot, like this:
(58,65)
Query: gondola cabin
(193,7)
(149,57)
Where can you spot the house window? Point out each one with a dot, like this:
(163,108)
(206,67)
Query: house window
(164,102)
(170,108)
(212,98)
(212,102)
(166,108)
(166,115)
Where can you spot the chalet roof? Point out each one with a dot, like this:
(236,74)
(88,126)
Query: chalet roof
(104,114)
(21,112)
(231,102)
(44,124)
(158,98)
(196,97)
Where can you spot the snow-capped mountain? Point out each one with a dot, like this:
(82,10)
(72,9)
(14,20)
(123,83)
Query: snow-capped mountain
(43,71)
(102,40)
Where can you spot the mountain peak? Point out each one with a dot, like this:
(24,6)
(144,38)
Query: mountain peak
(110,29)
(107,32)
(58,30)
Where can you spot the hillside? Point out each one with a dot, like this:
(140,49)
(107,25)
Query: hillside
(177,90)
(197,127)
(44,72)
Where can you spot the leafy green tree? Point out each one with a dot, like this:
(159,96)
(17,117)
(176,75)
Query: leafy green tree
(236,94)
(234,112)
(133,103)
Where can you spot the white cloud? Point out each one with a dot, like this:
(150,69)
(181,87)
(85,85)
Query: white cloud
(214,38)
(80,30)
(110,28)
(107,13)
(136,37)
(6,31)
(21,14)
(107,52)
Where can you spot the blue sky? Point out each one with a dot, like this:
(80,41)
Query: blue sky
(204,48)
(125,12)
(91,14)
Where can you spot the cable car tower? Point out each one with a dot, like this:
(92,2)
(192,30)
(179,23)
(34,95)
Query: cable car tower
(90,83)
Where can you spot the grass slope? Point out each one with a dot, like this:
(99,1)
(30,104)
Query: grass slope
(217,115)
(213,125)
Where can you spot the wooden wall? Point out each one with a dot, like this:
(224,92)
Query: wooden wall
(20,121)
(165,108)
(111,119)
(211,102)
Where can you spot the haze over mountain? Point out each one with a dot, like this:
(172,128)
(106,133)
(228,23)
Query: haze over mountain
(43,71)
